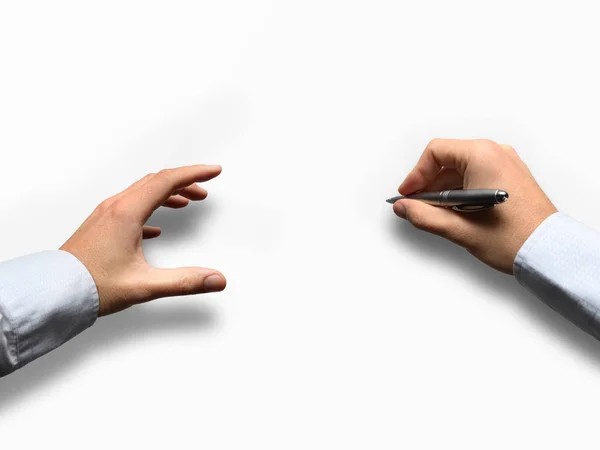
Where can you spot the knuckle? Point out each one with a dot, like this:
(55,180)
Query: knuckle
(141,294)
(119,208)
(164,174)
(487,144)
(438,228)
(422,221)
(433,143)
(104,206)
(508,149)
(417,219)
(447,232)
(186,285)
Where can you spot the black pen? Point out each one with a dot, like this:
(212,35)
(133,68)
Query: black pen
(460,199)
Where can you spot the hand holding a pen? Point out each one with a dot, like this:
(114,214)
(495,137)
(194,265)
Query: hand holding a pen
(495,235)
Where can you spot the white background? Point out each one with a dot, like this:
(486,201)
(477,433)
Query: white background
(341,327)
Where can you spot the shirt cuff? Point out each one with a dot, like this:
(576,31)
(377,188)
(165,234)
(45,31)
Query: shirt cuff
(558,263)
(45,299)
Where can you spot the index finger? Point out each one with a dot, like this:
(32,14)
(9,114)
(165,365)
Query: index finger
(157,189)
(439,153)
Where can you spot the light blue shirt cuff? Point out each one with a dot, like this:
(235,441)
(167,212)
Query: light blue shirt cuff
(45,299)
(559,263)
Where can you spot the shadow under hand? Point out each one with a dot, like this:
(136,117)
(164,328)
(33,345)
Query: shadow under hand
(182,224)
(539,313)
(107,332)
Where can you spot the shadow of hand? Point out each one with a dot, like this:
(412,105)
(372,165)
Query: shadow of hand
(540,315)
(182,225)
(116,329)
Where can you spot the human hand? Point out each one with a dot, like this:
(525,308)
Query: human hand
(494,236)
(109,243)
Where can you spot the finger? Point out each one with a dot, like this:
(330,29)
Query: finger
(433,219)
(151,232)
(135,185)
(446,179)
(184,281)
(448,153)
(176,201)
(160,187)
(193,192)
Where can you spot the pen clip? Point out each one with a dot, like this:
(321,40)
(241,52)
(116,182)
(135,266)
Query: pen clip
(472,208)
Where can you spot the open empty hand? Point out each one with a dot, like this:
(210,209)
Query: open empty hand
(109,243)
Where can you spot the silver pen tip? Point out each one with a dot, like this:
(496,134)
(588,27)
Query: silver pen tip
(393,200)
(501,196)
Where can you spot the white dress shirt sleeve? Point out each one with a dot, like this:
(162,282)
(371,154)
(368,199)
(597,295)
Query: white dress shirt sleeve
(45,299)
(560,264)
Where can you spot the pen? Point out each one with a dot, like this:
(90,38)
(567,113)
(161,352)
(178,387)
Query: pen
(463,200)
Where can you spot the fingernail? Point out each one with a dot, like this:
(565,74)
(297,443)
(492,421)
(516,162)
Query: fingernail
(214,283)
(400,210)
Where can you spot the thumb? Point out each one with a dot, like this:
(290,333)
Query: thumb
(184,281)
(434,219)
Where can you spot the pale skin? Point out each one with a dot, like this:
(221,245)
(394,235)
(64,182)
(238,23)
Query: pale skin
(109,243)
(493,236)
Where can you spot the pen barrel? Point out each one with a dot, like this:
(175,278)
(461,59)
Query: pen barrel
(458,197)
